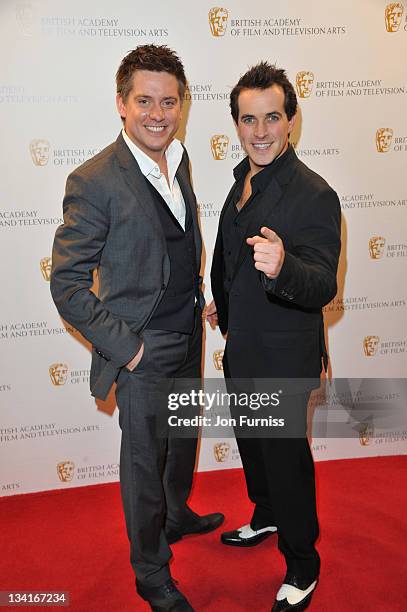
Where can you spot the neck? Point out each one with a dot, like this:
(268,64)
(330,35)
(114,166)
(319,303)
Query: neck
(162,164)
(159,157)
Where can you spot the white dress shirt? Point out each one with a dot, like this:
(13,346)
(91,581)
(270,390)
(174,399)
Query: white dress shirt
(170,192)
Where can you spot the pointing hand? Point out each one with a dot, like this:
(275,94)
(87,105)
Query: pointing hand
(268,252)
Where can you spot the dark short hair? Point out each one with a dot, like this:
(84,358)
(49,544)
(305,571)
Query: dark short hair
(263,76)
(156,58)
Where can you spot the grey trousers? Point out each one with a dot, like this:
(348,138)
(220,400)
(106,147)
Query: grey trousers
(156,469)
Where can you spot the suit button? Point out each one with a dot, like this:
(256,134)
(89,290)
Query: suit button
(163,286)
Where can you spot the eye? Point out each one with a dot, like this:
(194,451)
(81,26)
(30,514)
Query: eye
(169,103)
(142,101)
(273,117)
(248,120)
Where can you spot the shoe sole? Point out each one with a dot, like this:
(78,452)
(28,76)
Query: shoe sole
(161,609)
(194,533)
(251,541)
(302,605)
(164,608)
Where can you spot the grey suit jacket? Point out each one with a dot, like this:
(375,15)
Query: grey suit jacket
(111,225)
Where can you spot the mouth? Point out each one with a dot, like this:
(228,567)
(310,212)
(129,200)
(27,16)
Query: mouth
(261,146)
(155,129)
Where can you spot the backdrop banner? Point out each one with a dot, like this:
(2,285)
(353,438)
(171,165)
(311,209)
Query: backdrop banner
(57,96)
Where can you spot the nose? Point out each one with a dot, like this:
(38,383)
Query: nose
(156,112)
(260,130)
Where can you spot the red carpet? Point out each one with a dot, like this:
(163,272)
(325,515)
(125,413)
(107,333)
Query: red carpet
(74,540)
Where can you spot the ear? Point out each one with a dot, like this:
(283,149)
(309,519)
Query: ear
(291,123)
(120,105)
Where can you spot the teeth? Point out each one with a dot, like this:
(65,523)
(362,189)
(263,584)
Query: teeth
(155,128)
(262,146)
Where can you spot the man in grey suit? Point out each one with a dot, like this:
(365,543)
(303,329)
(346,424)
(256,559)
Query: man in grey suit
(130,213)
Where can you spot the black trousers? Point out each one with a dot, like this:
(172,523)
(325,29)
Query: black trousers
(280,479)
(156,469)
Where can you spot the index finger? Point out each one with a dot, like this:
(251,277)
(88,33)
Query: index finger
(255,240)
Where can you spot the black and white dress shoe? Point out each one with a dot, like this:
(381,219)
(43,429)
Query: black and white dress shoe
(294,594)
(203,524)
(164,598)
(246,536)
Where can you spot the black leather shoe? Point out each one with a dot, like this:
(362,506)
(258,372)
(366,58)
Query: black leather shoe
(164,598)
(246,536)
(294,594)
(203,524)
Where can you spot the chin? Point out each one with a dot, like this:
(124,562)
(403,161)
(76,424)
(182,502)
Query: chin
(264,162)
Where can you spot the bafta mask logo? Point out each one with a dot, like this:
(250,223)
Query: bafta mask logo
(218,359)
(45,266)
(218,20)
(25,18)
(39,149)
(58,373)
(65,471)
(221,451)
(366,434)
(370,345)
(376,247)
(304,82)
(393,14)
(219,146)
(384,137)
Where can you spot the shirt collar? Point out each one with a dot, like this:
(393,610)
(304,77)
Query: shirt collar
(148,166)
(262,178)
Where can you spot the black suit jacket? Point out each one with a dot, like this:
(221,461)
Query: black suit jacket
(275,327)
(111,225)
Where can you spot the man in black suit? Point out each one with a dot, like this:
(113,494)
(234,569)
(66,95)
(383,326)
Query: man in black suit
(131,214)
(274,268)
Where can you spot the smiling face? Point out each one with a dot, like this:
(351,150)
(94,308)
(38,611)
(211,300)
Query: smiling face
(151,111)
(263,126)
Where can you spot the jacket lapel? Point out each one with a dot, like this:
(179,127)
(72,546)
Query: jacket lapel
(264,207)
(267,204)
(190,202)
(136,182)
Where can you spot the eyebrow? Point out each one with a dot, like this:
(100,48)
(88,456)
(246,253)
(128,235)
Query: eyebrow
(150,97)
(248,115)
